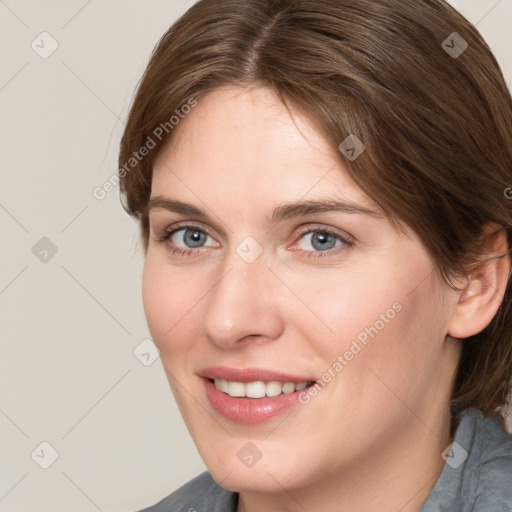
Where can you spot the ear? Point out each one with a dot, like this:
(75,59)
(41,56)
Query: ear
(484,290)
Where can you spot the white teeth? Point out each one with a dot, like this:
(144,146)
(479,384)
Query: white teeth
(236,389)
(222,385)
(257,389)
(289,387)
(273,388)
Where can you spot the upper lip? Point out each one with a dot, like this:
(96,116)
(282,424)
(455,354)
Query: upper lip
(251,375)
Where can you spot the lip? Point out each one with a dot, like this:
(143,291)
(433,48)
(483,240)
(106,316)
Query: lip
(250,411)
(251,375)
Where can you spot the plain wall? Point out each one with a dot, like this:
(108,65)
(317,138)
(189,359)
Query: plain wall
(71,314)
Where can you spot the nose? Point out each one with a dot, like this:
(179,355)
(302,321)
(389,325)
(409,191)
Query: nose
(243,305)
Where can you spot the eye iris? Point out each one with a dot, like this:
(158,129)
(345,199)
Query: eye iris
(194,238)
(325,241)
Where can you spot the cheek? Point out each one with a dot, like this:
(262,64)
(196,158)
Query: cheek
(342,306)
(155,299)
(402,350)
(373,319)
(168,297)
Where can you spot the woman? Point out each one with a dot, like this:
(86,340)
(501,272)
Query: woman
(322,194)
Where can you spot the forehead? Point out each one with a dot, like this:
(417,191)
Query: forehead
(243,145)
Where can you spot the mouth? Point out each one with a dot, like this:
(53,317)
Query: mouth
(252,395)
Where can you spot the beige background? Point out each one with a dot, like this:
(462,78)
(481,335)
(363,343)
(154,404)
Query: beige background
(70,324)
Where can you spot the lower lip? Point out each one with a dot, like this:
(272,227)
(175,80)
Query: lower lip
(249,410)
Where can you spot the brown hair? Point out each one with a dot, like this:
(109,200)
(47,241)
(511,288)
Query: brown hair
(437,125)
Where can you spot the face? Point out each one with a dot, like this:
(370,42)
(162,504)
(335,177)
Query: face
(243,284)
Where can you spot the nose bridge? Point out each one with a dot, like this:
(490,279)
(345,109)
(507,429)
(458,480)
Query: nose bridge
(240,303)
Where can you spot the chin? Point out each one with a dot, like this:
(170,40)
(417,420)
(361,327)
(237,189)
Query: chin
(248,481)
(264,477)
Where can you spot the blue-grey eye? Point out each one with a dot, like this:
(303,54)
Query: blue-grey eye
(321,241)
(192,238)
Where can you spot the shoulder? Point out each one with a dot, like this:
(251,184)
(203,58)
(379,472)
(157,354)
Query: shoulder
(477,476)
(201,493)
(493,466)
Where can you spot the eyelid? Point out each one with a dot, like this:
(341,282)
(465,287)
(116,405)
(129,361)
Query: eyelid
(324,229)
(164,219)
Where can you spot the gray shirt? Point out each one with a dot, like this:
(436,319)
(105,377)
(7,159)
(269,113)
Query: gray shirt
(477,476)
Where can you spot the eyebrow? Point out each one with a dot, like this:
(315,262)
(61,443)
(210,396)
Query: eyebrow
(282,212)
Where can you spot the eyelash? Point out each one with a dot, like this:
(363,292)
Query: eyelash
(165,238)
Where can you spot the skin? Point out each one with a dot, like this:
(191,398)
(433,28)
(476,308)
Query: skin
(372,438)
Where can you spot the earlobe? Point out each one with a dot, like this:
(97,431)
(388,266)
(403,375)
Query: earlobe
(481,298)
